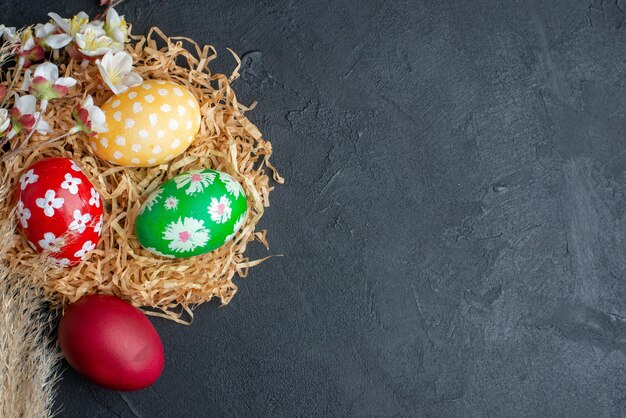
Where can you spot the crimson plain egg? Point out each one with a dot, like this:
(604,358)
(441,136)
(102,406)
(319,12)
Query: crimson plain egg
(111,342)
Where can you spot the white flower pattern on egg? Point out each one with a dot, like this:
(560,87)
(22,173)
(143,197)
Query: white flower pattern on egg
(23,214)
(71,183)
(88,247)
(98,227)
(50,202)
(238,224)
(51,243)
(94,200)
(240,221)
(79,224)
(27,178)
(51,212)
(157,252)
(59,262)
(186,235)
(232,186)
(189,197)
(151,200)
(220,210)
(196,179)
(171,203)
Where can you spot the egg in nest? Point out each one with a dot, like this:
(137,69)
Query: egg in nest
(148,124)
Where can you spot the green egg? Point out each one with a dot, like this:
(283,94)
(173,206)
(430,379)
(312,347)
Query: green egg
(192,214)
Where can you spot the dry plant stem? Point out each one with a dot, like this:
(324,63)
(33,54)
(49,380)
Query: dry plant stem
(109,5)
(16,74)
(28,356)
(228,141)
(33,147)
(3,142)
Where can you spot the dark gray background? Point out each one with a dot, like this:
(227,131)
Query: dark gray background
(453,221)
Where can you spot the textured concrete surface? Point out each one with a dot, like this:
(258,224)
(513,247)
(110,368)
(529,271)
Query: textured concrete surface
(453,222)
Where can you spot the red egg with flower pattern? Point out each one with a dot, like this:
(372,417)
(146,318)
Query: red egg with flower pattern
(59,210)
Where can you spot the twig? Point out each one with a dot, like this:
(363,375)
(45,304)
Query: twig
(33,147)
(109,4)
(18,68)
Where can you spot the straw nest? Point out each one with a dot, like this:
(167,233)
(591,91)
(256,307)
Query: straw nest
(227,141)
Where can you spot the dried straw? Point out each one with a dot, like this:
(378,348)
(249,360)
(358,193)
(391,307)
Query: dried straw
(28,354)
(227,141)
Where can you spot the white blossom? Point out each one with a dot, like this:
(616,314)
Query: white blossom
(49,72)
(43,31)
(27,105)
(92,41)
(116,71)
(5,121)
(69,28)
(116,27)
(93,119)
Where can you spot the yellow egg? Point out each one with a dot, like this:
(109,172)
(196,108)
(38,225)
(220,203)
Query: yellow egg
(148,124)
